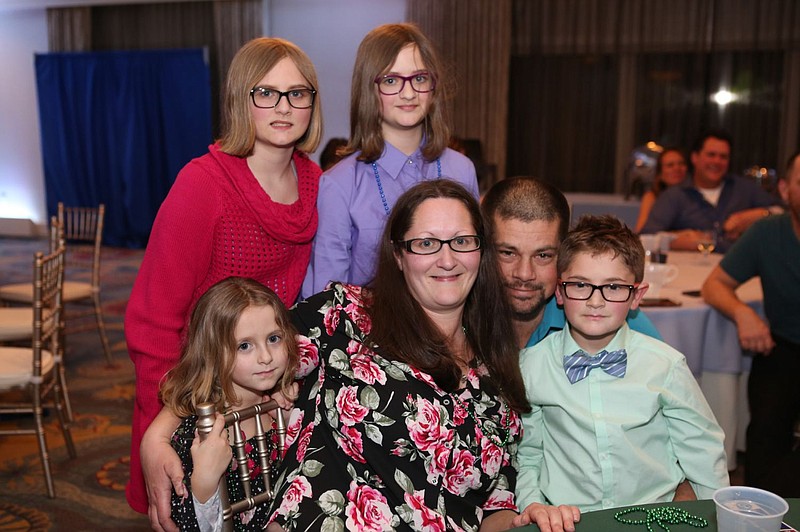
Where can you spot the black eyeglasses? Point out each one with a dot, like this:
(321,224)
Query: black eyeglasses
(394,83)
(429,246)
(267,98)
(613,292)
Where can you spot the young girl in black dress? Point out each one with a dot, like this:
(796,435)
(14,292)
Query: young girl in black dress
(240,347)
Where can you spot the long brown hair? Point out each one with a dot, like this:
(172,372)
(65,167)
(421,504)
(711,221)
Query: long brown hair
(208,356)
(376,55)
(250,64)
(404,331)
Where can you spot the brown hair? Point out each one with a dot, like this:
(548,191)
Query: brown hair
(526,199)
(208,356)
(250,64)
(405,332)
(376,55)
(714,133)
(598,235)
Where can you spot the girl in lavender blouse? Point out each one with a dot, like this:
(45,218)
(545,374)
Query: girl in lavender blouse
(398,137)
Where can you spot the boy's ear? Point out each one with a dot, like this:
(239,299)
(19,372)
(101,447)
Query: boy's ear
(559,294)
(638,295)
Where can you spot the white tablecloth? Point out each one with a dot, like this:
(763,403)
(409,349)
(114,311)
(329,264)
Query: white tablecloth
(708,339)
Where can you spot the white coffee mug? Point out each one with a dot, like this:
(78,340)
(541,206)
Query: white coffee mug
(658,275)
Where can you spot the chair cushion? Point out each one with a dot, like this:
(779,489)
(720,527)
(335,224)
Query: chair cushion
(23,292)
(16,366)
(19,292)
(74,291)
(16,323)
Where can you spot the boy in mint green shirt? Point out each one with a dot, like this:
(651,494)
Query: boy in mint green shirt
(618,419)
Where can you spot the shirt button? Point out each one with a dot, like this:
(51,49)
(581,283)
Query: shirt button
(446,401)
(410,161)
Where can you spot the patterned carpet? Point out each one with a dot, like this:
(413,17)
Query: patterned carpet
(89,488)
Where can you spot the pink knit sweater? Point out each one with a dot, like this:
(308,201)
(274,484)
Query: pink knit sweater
(216,222)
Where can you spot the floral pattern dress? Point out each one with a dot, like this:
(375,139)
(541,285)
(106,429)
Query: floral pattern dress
(183,512)
(376,445)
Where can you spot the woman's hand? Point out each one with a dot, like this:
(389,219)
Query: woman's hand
(549,518)
(162,470)
(211,458)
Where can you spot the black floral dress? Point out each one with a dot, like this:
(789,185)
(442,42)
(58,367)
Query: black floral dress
(183,509)
(376,445)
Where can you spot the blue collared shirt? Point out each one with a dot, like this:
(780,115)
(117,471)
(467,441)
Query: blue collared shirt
(684,207)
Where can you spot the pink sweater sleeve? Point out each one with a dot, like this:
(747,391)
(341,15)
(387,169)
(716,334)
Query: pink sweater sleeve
(175,263)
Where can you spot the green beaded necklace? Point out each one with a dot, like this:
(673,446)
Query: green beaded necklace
(493,438)
(662,516)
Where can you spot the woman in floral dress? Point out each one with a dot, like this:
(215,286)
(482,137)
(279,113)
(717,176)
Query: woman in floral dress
(409,413)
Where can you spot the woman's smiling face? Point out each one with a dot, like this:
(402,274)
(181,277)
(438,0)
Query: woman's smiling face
(440,282)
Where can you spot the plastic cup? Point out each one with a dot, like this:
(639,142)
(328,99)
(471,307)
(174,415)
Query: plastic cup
(746,509)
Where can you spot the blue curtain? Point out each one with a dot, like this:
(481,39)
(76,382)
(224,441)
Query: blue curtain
(116,129)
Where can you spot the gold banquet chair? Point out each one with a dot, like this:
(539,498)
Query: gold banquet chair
(83,232)
(205,419)
(37,371)
(16,323)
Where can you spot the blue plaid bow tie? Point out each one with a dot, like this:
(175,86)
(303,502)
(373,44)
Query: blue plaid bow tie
(579,364)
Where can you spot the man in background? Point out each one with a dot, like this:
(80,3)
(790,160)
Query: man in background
(713,200)
(770,250)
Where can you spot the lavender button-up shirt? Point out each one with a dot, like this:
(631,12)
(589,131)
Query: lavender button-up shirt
(352,213)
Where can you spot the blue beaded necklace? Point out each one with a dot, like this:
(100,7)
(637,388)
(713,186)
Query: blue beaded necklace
(380,185)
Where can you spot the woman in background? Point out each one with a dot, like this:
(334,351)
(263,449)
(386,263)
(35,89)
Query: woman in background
(398,137)
(670,170)
(247,208)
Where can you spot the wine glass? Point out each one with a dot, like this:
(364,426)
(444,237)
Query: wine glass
(707,242)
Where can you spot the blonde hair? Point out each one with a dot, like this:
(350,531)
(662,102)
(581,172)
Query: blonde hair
(376,55)
(204,373)
(250,64)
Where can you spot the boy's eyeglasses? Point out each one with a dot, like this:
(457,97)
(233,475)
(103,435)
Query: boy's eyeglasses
(613,292)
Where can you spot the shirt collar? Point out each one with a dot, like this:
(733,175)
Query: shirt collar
(619,341)
(553,319)
(689,182)
(392,160)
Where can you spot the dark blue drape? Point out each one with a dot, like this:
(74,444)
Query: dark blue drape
(116,129)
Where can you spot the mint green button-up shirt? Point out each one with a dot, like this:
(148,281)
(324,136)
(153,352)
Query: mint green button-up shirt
(605,441)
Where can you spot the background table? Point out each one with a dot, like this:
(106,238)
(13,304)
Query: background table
(581,203)
(709,341)
(603,520)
